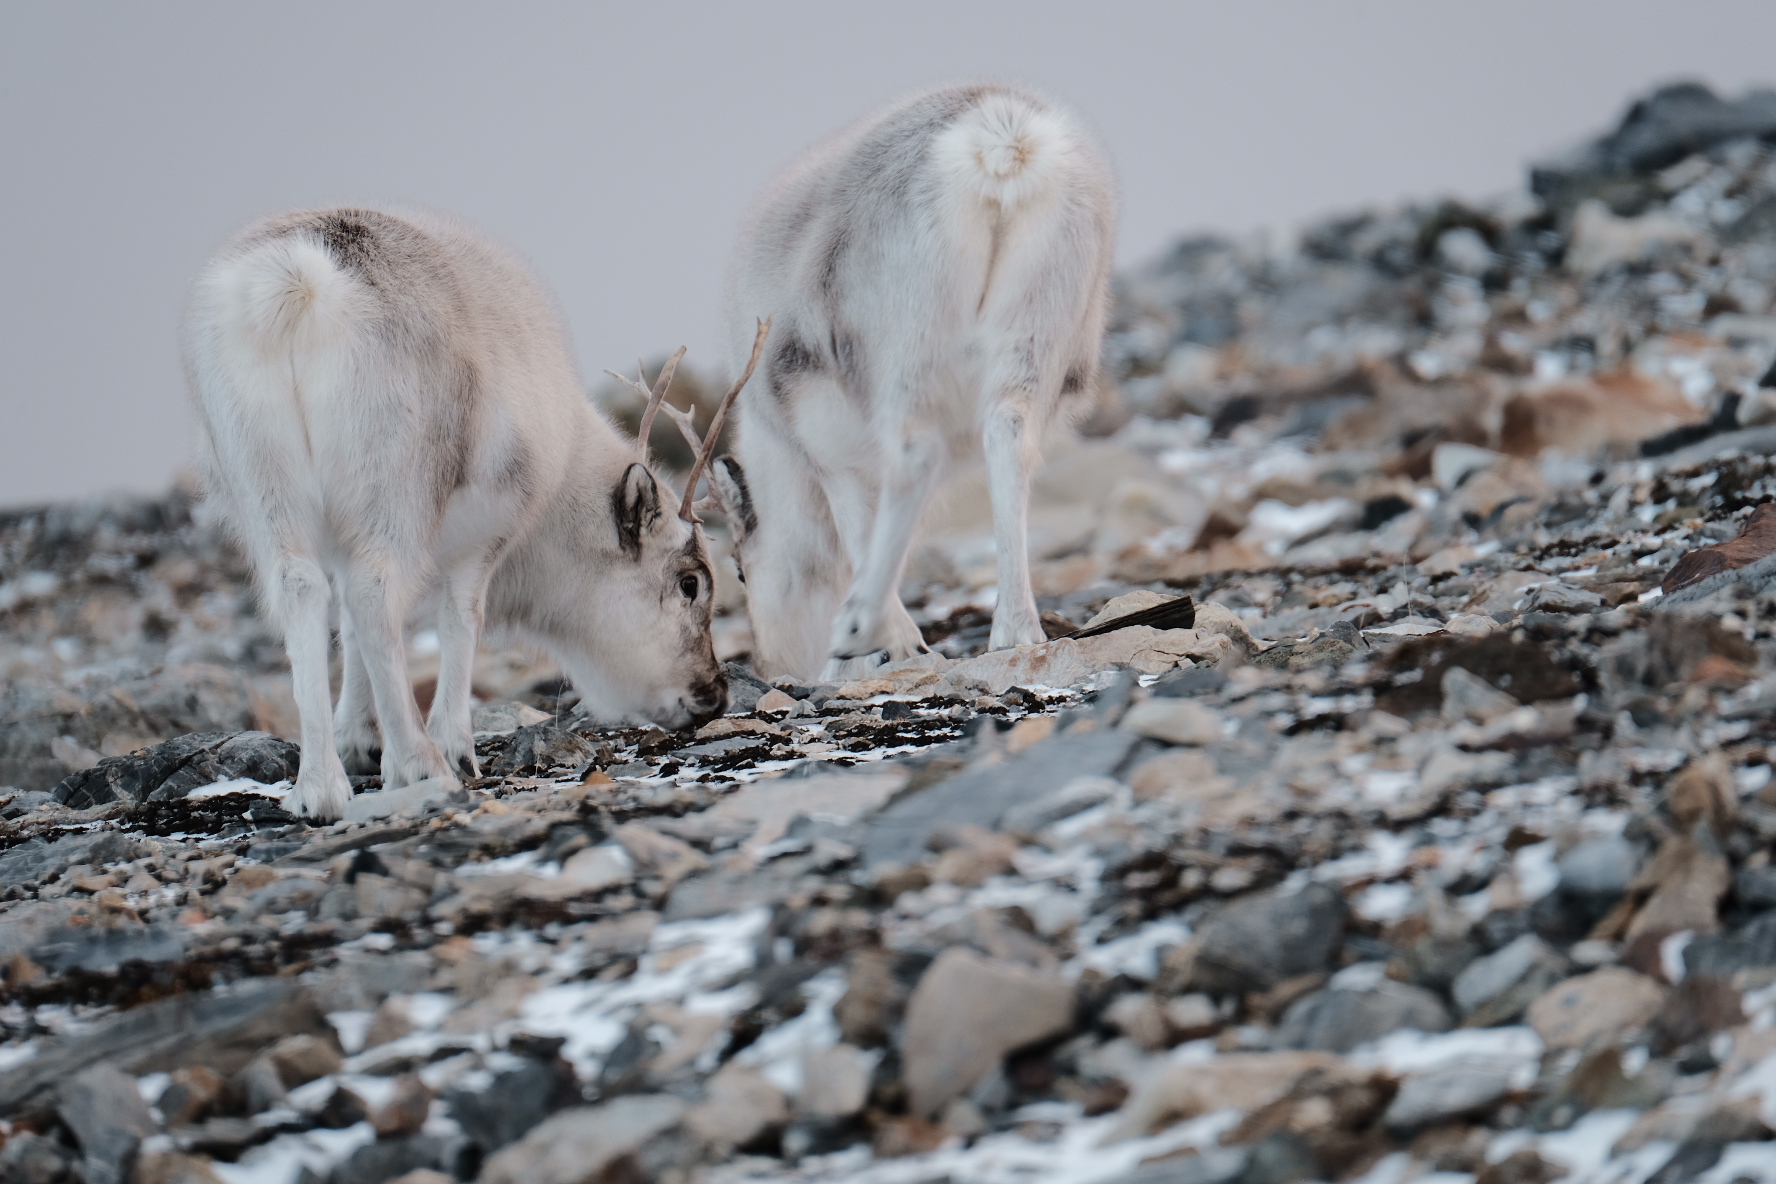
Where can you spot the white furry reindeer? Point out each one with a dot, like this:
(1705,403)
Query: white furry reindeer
(938,274)
(388,402)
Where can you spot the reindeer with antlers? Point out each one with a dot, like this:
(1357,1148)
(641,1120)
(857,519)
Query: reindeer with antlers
(388,408)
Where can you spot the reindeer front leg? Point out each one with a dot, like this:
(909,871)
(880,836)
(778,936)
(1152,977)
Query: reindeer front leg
(863,623)
(1009,448)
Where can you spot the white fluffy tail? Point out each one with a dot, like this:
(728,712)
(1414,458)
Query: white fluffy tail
(1005,149)
(289,294)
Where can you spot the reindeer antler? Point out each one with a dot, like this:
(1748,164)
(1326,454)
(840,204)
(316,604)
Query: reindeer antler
(654,397)
(687,508)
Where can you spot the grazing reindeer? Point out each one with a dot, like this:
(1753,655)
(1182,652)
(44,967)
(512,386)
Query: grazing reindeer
(938,275)
(388,403)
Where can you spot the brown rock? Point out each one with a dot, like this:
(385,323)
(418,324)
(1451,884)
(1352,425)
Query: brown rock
(1521,1167)
(908,1136)
(1175,721)
(1687,884)
(1704,793)
(774,700)
(585,1145)
(1581,415)
(1185,775)
(302,1058)
(1142,1019)
(172,1167)
(382,896)
(1244,1081)
(973,856)
(655,854)
(873,999)
(1700,1006)
(390,1022)
(968,1012)
(738,1107)
(1595,1008)
(835,1082)
(190,1095)
(1757,539)
(1334,1110)
(405,1111)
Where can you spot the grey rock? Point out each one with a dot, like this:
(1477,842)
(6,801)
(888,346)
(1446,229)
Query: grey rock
(70,934)
(1561,597)
(1080,794)
(966,1013)
(1180,684)
(1216,1165)
(221,1028)
(418,799)
(983,795)
(541,748)
(175,768)
(359,982)
(1259,940)
(1723,955)
(38,861)
(24,801)
(197,697)
(512,1104)
(579,1145)
(385,1159)
(744,689)
(1452,1091)
(1671,123)
(1339,1020)
(503,717)
(1755,887)
(34,1159)
(1599,867)
(1496,989)
(103,1108)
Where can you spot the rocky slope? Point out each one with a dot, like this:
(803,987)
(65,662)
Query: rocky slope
(1428,840)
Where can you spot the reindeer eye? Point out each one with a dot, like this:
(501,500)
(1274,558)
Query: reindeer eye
(688,585)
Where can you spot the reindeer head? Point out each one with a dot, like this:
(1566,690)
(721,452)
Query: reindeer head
(656,658)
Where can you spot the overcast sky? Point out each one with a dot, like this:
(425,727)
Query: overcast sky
(618,145)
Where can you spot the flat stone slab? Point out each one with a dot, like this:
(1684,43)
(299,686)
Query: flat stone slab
(418,798)
(982,795)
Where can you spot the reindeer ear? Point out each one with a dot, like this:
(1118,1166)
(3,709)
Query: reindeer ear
(636,507)
(730,484)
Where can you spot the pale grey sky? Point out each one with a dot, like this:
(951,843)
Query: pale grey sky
(617,145)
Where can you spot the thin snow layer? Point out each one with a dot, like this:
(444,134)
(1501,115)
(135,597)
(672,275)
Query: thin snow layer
(1073,1156)
(282,1160)
(687,962)
(1410,1051)
(239,785)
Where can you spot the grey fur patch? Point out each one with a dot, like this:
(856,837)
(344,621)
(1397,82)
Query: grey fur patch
(737,494)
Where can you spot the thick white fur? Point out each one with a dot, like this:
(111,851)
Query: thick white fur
(389,411)
(938,277)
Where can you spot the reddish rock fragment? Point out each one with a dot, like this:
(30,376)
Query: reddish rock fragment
(1755,541)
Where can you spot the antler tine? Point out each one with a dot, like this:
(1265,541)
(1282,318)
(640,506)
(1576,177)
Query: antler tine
(656,396)
(687,425)
(688,508)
